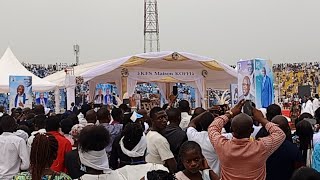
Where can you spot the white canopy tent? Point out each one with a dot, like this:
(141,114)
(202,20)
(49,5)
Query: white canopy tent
(163,67)
(10,65)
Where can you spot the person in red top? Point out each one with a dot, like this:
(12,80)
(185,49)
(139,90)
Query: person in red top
(242,158)
(64,145)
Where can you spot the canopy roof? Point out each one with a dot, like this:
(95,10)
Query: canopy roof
(219,76)
(59,77)
(9,65)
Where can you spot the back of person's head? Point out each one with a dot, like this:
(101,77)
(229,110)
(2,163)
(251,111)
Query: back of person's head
(160,175)
(100,135)
(306,173)
(132,134)
(205,122)
(283,125)
(43,152)
(39,109)
(302,117)
(85,108)
(154,111)
(117,114)
(75,132)
(103,115)
(272,111)
(40,122)
(316,96)
(184,106)
(66,125)
(91,116)
(72,104)
(125,108)
(8,124)
(241,126)
(197,112)
(25,129)
(317,115)
(165,106)
(74,118)
(305,132)
(174,115)
(53,123)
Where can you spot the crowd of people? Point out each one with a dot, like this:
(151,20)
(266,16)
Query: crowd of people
(165,143)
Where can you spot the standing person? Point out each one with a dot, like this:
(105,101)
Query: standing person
(74,108)
(39,127)
(304,131)
(64,145)
(287,158)
(72,161)
(174,134)
(115,130)
(240,157)
(316,102)
(15,156)
(43,153)
(138,98)
(203,121)
(93,156)
(158,148)
(266,89)
(196,166)
(117,116)
(307,106)
(184,107)
(91,117)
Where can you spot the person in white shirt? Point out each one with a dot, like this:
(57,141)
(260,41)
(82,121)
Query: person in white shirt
(315,102)
(307,106)
(15,156)
(158,148)
(202,123)
(184,107)
(39,126)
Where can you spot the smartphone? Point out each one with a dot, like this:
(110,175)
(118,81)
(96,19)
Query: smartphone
(247,108)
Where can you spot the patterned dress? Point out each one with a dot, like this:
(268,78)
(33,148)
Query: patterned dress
(27,176)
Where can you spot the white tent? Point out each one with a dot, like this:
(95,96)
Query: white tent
(9,65)
(60,76)
(163,67)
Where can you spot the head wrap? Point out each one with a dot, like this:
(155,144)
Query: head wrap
(138,150)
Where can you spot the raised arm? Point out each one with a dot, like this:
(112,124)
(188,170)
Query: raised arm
(276,137)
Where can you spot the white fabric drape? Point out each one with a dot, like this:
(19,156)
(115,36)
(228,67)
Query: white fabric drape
(70,82)
(92,90)
(201,89)
(57,100)
(119,87)
(163,91)
(131,86)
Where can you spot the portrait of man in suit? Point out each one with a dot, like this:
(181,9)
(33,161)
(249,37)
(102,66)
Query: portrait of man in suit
(42,100)
(20,99)
(109,99)
(99,97)
(246,86)
(266,89)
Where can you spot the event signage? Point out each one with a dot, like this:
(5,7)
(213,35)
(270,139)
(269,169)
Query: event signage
(234,94)
(255,82)
(20,91)
(165,73)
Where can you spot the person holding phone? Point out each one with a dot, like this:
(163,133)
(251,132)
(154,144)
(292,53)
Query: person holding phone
(240,157)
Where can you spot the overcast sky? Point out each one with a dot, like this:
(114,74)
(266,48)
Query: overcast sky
(44,31)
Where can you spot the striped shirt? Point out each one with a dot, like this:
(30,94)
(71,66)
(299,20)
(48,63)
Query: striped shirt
(244,158)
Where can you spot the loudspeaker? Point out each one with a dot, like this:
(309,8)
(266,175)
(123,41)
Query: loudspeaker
(304,91)
(175,90)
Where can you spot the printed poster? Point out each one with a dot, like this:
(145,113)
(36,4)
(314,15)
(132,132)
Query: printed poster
(234,94)
(246,80)
(20,91)
(264,86)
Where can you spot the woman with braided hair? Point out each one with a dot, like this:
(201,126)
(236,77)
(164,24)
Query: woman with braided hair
(43,153)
